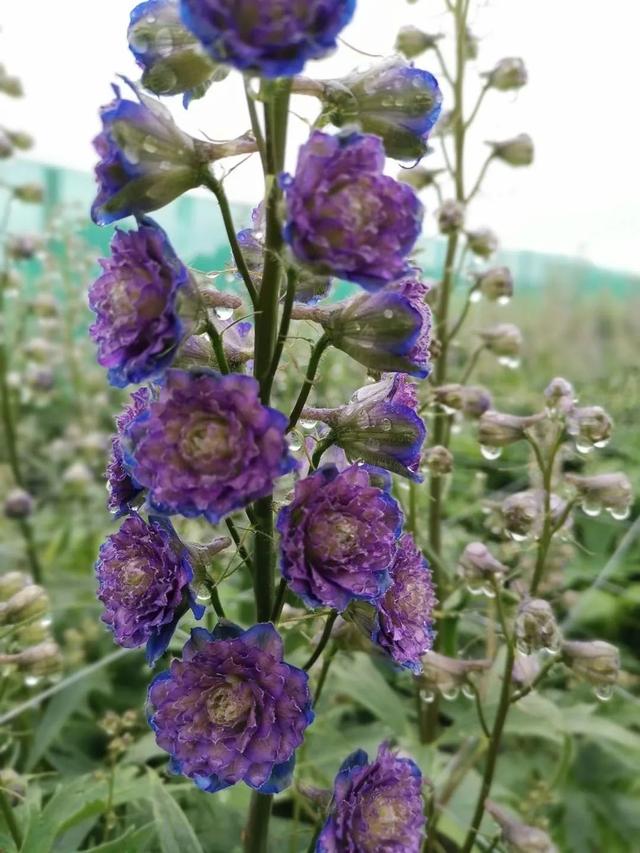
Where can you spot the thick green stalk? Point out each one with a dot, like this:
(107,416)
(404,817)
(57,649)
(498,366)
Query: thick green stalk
(265,366)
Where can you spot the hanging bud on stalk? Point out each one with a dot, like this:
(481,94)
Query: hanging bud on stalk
(18,504)
(536,627)
(517,151)
(519,837)
(496,429)
(595,662)
(411,41)
(483,242)
(505,341)
(507,75)
(612,492)
(496,284)
(27,603)
(438,461)
(480,570)
(451,217)
(591,428)
(447,676)
(523,513)
(560,396)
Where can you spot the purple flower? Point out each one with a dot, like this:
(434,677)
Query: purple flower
(270,37)
(207,446)
(143,581)
(137,326)
(391,99)
(347,218)
(232,710)
(122,490)
(386,331)
(380,426)
(146,161)
(377,806)
(338,536)
(404,627)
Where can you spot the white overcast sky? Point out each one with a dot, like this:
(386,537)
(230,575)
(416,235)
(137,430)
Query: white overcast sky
(582,197)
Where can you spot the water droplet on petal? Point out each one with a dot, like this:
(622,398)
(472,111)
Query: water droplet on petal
(584,448)
(619,513)
(602,443)
(476,296)
(32,680)
(472,589)
(224,313)
(308,424)
(517,537)
(503,300)
(603,692)
(490,453)
(295,443)
(386,424)
(388,313)
(591,508)
(468,692)
(427,696)
(451,694)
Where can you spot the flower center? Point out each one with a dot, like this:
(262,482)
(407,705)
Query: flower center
(206,441)
(334,535)
(229,703)
(385,817)
(133,576)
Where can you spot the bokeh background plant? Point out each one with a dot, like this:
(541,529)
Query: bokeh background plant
(81,769)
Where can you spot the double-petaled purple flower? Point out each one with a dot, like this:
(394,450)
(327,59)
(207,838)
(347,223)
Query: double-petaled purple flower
(376,806)
(345,217)
(137,326)
(207,446)
(232,710)
(268,37)
(338,536)
(392,99)
(122,489)
(404,628)
(143,575)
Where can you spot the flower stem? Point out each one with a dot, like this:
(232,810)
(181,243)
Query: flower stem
(326,636)
(257,831)
(312,368)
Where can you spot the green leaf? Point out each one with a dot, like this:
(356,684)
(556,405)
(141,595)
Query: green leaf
(174,830)
(133,841)
(357,677)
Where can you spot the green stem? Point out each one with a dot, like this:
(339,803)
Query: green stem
(473,361)
(257,830)
(279,603)
(326,636)
(321,447)
(10,820)
(244,554)
(544,543)
(463,314)
(285,322)
(312,368)
(480,179)
(326,663)
(216,343)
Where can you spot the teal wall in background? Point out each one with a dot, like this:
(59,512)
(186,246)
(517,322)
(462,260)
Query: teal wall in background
(195,229)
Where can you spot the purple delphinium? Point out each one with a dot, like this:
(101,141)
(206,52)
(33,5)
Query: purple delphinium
(122,490)
(231,709)
(392,99)
(347,218)
(269,37)
(404,627)
(143,575)
(338,536)
(146,161)
(207,446)
(388,330)
(376,806)
(137,328)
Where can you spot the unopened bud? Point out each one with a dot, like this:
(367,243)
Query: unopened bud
(496,284)
(476,400)
(595,662)
(505,341)
(519,837)
(526,669)
(28,603)
(496,429)
(10,85)
(612,492)
(202,554)
(20,139)
(480,570)
(419,177)
(13,785)
(43,660)
(78,476)
(46,306)
(517,151)
(560,396)
(536,627)
(445,123)
(508,74)
(6,148)
(450,216)
(482,242)
(12,582)
(18,504)
(591,428)
(438,460)
(29,193)
(450,397)
(523,513)
(411,41)
(447,675)
(34,633)
(23,247)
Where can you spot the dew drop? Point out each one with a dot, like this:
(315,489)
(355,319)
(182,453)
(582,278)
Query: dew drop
(591,508)
(295,443)
(603,692)
(503,300)
(517,537)
(150,145)
(602,443)
(490,453)
(386,424)
(427,696)
(583,447)
(388,313)
(203,595)
(451,694)
(224,313)
(468,692)
(32,680)
(619,513)
(308,424)
(472,589)
(448,410)
(488,591)
(476,296)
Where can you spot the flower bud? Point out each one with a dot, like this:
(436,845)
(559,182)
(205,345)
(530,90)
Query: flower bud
(13,785)
(595,662)
(43,660)
(612,492)
(447,675)
(391,99)
(519,837)
(523,513)
(18,504)
(445,124)
(419,177)
(476,400)
(496,429)
(10,85)
(508,74)
(480,570)
(23,247)
(28,603)
(517,151)
(21,140)
(449,397)
(34,633)
(505,341)
(483,242)
(29,193)
(450,216)
(12,582)
(438,460)
(526,669)
(536,627)
(172,58)
(591,428)
(411,41)
(470,46)
(202,554)
(6,148)
(78,476)
(560,396)
(496,284)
